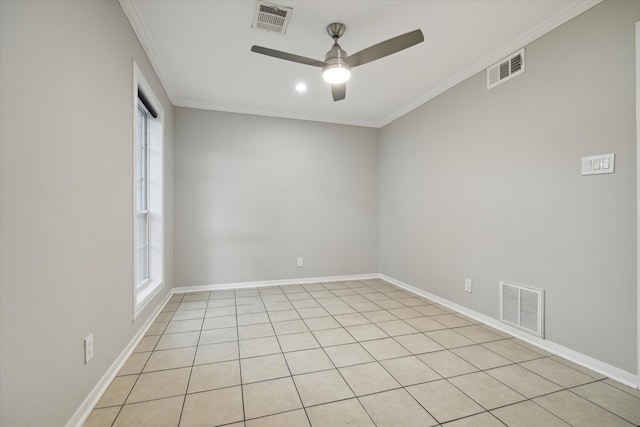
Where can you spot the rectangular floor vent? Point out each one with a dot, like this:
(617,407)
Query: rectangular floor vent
(507,68)
(271,17)
(522,307)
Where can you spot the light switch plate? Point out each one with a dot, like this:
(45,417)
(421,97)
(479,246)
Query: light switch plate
(88,348)
(468,285)
(595,165)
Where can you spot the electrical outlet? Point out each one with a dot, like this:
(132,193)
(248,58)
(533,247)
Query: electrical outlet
(300,262)
(88,348)
(467,285)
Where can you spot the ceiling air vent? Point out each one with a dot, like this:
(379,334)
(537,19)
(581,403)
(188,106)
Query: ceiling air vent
(522,307)
(271,17)
(504,70)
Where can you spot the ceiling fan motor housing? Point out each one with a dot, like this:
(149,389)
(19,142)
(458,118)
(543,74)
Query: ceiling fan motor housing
(335,56)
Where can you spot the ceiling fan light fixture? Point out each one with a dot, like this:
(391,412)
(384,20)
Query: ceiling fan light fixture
(336,73)
(336,70)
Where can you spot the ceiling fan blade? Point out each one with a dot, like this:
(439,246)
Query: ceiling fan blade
(386,48)
(286,56)
(339,91)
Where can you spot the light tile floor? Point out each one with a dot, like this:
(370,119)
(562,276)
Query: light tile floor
(358,353)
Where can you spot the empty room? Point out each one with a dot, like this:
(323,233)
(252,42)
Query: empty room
(319,213)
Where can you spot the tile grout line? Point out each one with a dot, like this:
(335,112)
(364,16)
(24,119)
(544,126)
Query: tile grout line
(244,411)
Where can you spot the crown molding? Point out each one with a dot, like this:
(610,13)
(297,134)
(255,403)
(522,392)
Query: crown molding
(139,28)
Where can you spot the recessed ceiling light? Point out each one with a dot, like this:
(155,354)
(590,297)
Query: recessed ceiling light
(301,87)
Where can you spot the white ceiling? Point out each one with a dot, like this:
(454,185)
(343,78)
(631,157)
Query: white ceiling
(200,49)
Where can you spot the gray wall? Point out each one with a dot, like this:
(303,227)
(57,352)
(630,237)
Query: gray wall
(486,185)
(252,194)
(66,269)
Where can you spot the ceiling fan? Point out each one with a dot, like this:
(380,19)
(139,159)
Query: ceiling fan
(337,65)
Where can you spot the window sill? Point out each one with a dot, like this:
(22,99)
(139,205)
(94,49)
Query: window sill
(145,294)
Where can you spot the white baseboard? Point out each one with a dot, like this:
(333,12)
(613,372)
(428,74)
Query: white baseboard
(83,412)
(300,281)
(603,368)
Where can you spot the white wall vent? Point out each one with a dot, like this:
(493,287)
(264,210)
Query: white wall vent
(271,17)
(507,68)
(522,307)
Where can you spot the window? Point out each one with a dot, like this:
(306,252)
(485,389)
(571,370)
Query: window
(142,202)
(148,228)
